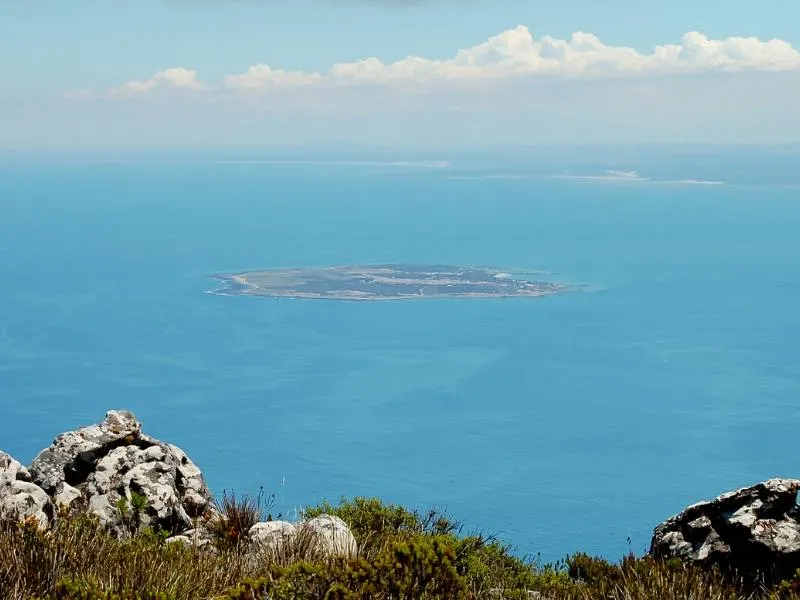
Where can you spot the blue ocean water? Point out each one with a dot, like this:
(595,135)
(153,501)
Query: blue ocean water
(561,424)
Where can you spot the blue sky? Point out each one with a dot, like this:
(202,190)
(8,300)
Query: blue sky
(64,67)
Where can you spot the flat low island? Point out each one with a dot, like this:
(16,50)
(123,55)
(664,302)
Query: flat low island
(387,282)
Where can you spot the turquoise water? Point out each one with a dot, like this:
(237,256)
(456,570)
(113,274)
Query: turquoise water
(560,424)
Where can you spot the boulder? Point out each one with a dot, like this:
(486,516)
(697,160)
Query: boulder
(754,531)
(20,498)
(111,468)
(73,455)
(332,535)
(150,473)
(272,534)
(12,470)
(197,539)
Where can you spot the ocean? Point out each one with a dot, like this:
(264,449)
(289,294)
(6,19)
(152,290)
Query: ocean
(570,423)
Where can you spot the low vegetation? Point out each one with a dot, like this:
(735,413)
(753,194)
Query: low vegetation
(403,555)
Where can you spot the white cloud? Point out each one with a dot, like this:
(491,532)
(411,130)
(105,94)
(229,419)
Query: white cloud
(177,77)
(514,53)
(261,76)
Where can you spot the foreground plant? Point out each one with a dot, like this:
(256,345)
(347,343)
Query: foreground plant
(404,555)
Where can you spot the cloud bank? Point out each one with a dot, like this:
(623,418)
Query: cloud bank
(514,53)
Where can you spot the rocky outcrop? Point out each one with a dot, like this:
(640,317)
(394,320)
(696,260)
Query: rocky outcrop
(122,476)
(129,480)
(20,498)
(72,456)
(754,530)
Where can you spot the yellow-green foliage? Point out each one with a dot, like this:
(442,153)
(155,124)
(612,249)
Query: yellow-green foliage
(417,570)
(369,518)
(33,562)
(483,563)
(91,590)
(404,555)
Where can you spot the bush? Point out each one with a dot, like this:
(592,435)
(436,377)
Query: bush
(417,570)
(483,563)
(90,590)
(404,555)
(596,573)
(370,519)
(84,558)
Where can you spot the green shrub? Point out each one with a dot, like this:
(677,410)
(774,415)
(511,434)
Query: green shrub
(370,518)
(596,573)
(404,555)
(416,570)
(787,589)
(488,565)
(79,554)
(483,563)
(91,590)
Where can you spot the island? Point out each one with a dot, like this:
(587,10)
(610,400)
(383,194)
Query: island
(388,282)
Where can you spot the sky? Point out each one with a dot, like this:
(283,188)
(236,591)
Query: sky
(260,74)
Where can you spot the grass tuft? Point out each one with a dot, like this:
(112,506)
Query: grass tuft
(232,518)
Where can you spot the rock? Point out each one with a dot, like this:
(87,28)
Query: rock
(189,479)
(72,455)
(332,535)
(12,470)
(183,539)
(66,495)
(272,534)
(753,531)
(20,498)
(106,467)
(197,539)
(150,473)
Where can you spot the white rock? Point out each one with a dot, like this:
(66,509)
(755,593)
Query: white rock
(12,470)
(190,481)
(105,509)
(66,495)
(19,497)
(21,500)
(150,472)
(183,540)
(272,534)
(190,539)
(104,465)
(72,455)
(332,534)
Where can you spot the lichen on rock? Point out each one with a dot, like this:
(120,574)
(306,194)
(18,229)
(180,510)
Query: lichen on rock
(20,498)
(106,466)
(751,530)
